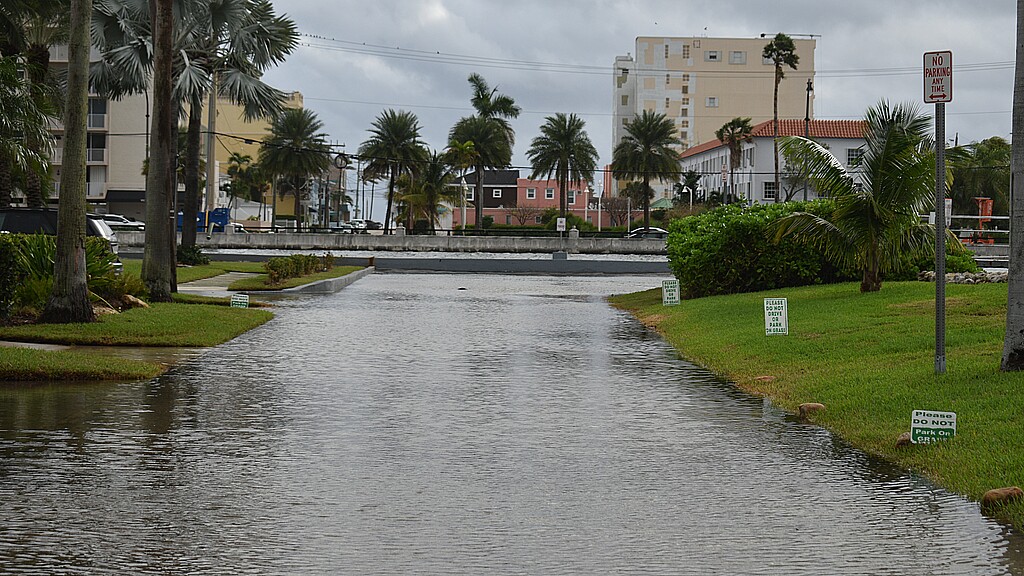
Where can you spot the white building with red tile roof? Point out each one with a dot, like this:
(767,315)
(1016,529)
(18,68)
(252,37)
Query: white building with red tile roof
(754,179)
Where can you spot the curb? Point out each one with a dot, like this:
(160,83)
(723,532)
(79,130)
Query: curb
(330,285)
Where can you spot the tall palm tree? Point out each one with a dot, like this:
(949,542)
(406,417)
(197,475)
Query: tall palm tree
(1013,341)
(19,117)
(733,134)
(980,169)
(394,148)
(646,152)
(69,298)
(493,151)
(782,52)
(295,149)
(461,156)
(876,219)
(430,190)
(563,150)
(490,132)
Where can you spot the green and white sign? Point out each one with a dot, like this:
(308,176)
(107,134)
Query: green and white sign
(927,426)
(669,292)
(776,317)
(239,300)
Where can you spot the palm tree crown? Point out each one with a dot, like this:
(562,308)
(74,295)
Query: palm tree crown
(782,52)
(733,134)
(295,149)
(646,152)
(491,150)
(394,148)
(563,150)
(875,222)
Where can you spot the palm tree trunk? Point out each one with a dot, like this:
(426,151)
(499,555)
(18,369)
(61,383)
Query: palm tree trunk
(156,259)
(190,210)
(647,201)
(391,198)
(478,201)
(1013,342)
(69,300)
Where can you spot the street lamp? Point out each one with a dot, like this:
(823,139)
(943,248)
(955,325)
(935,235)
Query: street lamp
(807,127)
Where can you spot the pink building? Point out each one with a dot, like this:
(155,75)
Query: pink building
(524,204)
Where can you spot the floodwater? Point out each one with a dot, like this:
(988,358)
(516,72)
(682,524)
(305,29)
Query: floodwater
(406,426)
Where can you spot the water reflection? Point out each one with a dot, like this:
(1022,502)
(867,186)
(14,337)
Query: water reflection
(519,426)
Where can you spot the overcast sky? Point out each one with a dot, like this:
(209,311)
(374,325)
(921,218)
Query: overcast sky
(360,57)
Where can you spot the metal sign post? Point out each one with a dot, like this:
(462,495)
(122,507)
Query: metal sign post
(938,89)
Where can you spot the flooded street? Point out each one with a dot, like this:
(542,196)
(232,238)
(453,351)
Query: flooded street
(408,426)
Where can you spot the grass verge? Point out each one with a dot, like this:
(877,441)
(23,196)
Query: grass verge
(261,282)
(25,365)
(870,358)
(192,273)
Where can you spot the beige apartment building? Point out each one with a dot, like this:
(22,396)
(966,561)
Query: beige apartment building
(702,83)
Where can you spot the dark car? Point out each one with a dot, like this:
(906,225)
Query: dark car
(41,221)
(648,233)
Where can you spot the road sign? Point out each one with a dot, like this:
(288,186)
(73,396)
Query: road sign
(927,426)
(938,77)
(776,316)
(560,225)
(669,292)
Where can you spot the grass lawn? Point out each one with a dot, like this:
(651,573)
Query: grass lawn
(870,358)
(191,273)
(261,282)
(22,364)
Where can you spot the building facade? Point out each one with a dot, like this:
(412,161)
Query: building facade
(754,180)
(701,83)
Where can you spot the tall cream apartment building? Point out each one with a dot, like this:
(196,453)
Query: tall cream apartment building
(702,83)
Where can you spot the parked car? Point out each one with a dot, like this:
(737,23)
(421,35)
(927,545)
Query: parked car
(359,226)
(342,228)
(118,222)
(42,221)
(651,232)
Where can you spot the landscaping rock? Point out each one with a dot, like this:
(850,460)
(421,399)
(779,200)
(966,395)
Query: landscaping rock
(809,408)
(998,496)
(133,302)
(764,378)
(966,277)
(103,310)
(903,440)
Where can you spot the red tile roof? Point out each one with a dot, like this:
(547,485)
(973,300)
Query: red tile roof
(818,129)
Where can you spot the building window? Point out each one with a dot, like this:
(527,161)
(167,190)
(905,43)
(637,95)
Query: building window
(769,191)
(711,102)
(666,104)
(854,156)
(682,135)
(684,123)
(685,102)
(686,51)
(712,56)
(531,193)
(667,78)
(737,57)
(625,100)
(684,111)
(571,196)
(685,89)
(508,218)
(470,192)
(549,193)
(625,121)
(666,50)
(537,220)
(686,77)
(496,193)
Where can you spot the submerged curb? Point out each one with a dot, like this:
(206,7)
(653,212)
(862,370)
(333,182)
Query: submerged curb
(331,284)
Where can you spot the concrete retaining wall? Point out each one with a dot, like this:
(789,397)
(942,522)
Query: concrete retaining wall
(533,266)
(372,242)
(331,284)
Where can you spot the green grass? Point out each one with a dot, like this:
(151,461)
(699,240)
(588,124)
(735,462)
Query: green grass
(870,358)
(25,365)
(261,282)
(159,325)
(191,273)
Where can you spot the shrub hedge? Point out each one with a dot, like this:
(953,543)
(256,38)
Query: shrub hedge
(279,269)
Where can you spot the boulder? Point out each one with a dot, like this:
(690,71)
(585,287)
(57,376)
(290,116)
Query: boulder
(808,408)
(998,496)
(133,302)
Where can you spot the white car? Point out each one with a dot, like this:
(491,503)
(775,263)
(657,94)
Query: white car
(118,222)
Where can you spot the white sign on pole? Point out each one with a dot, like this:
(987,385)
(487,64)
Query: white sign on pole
(669,292)
(949,212)
(938,77)
(776,316)
(560,225)
(927,426)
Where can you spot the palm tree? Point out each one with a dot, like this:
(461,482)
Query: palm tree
(69,298)
(224,48)
(782,52)
(493,151)
(1013,342)
(490,132)
(733,134)
(563,150)
(646,152)
(461,156)
(430,190)
(980,169)
(876,219)
(19,117)
(294,150)
(394,148)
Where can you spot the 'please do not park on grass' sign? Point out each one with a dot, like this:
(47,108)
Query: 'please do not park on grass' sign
(776,317)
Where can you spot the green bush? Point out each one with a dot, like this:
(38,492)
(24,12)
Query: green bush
(35,257)
(11,275)
(279,269)
(192,256)
(956,261)
(727,250)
